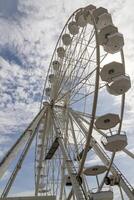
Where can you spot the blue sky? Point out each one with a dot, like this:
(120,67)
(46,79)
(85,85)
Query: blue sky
(29,30)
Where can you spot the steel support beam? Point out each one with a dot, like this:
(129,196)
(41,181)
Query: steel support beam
(129,153)
(13,152)
(23,154)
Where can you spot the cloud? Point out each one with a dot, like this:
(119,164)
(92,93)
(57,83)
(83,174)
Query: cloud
(8,8)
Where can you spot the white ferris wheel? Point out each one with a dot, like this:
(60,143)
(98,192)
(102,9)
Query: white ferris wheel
(77,118)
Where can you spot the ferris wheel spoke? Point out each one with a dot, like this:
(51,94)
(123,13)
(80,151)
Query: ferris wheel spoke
(84,68)
(81,58)
(75,86)
(84,96)
(83,82)
(75,67)
(70,59)
(103,57)
(121,192)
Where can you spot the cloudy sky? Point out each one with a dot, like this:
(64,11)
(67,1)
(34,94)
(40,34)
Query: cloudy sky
(29,30)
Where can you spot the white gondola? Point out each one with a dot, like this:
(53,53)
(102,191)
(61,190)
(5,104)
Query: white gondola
(114,43)
(48,91)
(120,85)
(99,11)
(115,142)
(56,65)
(111,70)
(107,121)
(104,20)
(94,170)
(73,28)
(61,52)
(66,39)
(105,32)
(87,13)
(51,78)
(79,18)
(102,195)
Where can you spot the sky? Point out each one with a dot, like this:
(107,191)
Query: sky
(29,30)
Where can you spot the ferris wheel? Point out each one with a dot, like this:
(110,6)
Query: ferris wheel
(77,118)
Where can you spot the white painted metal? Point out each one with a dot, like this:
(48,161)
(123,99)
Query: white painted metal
(129,153)
(98,12)
(126,186)
(51,78)
(104,20)
(111,70)
(114,143)
(56,65)
(13,152)
(115,43)
(61,52)
(48,91)
(105,32)
(87,13)
(73,28)
(72,172)
(107,121)
(94,170)
(41,162)
(119,85)
(66,39)
(128,189)
(102,195)
(80,20)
